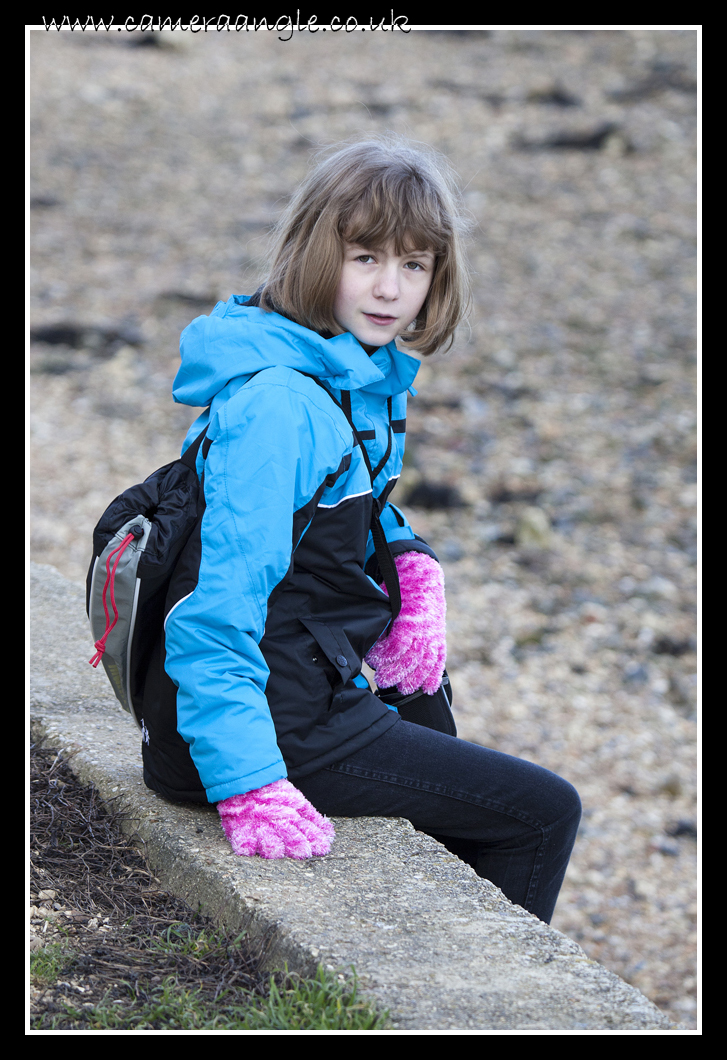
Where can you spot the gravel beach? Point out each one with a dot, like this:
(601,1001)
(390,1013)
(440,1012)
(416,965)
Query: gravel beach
(552,453)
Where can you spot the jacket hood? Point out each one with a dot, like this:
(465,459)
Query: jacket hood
(237,340)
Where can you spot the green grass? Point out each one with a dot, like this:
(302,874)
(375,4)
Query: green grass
(322,1003)
(47,963)
(329,1001)
(326,1002)
(183,940)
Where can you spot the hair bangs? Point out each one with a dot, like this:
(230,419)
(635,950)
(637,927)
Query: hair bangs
(401,213)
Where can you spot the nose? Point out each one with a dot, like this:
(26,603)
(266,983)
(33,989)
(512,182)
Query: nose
(386,285)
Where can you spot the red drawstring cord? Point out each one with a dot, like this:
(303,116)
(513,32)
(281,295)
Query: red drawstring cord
(100,644)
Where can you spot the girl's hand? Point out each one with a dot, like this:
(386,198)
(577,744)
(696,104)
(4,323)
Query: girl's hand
(414,652)
(275,821)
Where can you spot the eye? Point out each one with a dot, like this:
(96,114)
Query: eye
(364,258)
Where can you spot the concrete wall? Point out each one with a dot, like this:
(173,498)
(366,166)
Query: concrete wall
(440,948)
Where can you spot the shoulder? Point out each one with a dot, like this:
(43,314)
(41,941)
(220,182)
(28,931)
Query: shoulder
(298,383)
(280,388)
(279,405)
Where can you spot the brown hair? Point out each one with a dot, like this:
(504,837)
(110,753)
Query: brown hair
(374,193)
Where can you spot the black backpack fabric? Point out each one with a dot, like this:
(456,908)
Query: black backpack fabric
(136,545)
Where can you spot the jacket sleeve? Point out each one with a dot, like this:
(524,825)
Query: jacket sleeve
(273,444)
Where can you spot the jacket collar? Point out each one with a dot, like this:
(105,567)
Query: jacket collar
(238,340)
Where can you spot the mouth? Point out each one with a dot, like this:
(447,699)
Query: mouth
(377,318)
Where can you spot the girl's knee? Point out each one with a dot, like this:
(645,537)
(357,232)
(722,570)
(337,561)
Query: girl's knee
(565,802)
(571,801)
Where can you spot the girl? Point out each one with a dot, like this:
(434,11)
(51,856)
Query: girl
(257,702)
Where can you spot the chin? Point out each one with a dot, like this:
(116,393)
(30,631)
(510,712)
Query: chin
(376,338)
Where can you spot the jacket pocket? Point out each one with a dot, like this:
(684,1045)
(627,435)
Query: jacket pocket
(336,647)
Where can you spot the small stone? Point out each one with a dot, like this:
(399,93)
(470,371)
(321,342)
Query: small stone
(635,673)
(665,846)
(683,827)
(671,786)
(660,588)
(432,495)
(452,551)
(533,529)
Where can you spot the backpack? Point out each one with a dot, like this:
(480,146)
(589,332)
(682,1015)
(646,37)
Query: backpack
(136,547)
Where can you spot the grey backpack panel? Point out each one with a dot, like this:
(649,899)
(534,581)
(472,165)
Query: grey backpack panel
(118,574)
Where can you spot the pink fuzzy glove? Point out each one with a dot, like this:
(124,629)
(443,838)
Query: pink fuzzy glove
(414,652)
(276,821)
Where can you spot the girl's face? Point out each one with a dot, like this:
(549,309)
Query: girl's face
(380,292)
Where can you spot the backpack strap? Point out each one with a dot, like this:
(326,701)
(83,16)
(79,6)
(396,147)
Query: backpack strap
(381,545)
(189,458)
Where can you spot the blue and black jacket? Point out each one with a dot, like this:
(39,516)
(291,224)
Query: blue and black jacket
(275,600)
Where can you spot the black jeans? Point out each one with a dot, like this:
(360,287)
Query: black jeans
(514,822)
